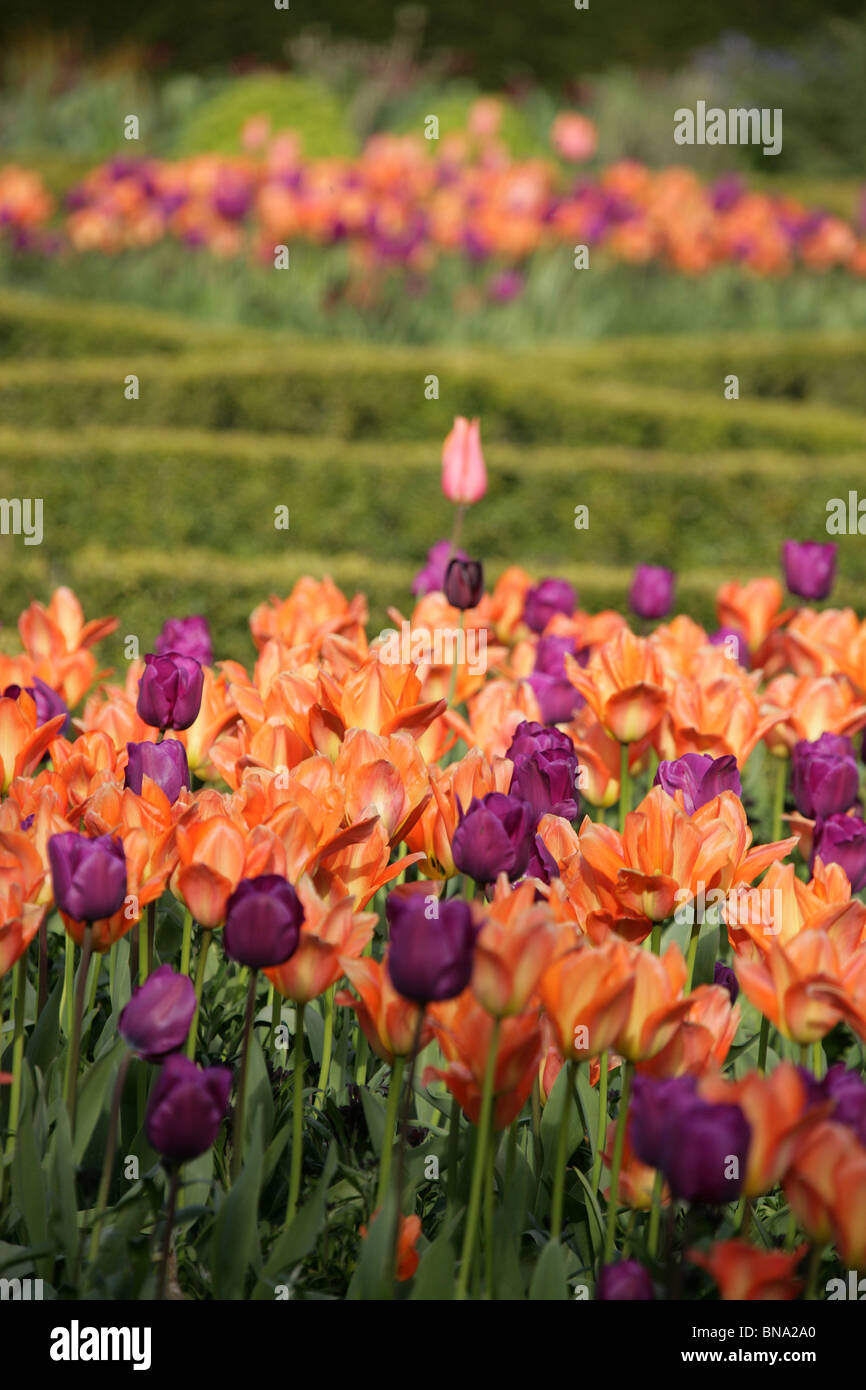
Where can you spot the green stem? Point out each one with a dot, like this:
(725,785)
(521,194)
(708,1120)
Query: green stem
(619,1145)
(561,1158)
(19,991)
(166,1238)
(275,999)
(151,934)
(390,1121)
(453,1151)
(763,1044)
(42,989)
(656,939)
(818,1059)
(327,1047)
(68,985)
(489,1262)
(779,797)
(143,934)
(655,1215)
(110,1150)
(624,787)
(453,683)
(484,1125)
(203,949)
(297,1116)
(693,952)
(240,1111)
(186,943)
(604,1062)
(72,1060)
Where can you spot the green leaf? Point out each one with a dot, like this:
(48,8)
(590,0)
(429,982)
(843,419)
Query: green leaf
(299,1239)
(44,1040)
(94,1095)
(374,1114)
(260,1100)
(373,1277)
(28,1186)
(235,1233)
(64,1207)
(436,1275)
(559,1103)
(589,1101)
(549,1282)
(595,1222)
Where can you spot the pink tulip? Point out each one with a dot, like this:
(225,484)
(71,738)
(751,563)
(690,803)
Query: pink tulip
(464,477)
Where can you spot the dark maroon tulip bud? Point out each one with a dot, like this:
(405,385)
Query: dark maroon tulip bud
(156,1020)
(652,591)
(186,1108)
(734,641)
(431,578)
(700,778)
(723,975)
(494,836)
(164,763)
(545,773)
(825,778)
(88,875)
(556,696)
(432,946)
(704,1157)
(810,568)
(549,597)
(188,637)
(841,840)
(625,1280)
(263,922)
(169,692)
(464,583)
(48,703)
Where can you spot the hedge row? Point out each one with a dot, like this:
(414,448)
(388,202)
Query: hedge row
(800,367)
(351,395)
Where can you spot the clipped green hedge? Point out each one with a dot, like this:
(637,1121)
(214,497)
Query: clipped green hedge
(354,395)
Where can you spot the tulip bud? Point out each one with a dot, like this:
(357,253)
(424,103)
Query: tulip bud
(700,778)
(723,975)
(825,778)
(170,690)
(156,1020)
(186,1108)
(263,922)
(464,583)
(48,703)
(810,568)
(188,637)
(652,591)
(556,696)
(841,840)
(496,835)
(545,771)
(429,957)
(624,1280)
(464,477)
(431,579)
(545,599)
(88,875)
(164,763)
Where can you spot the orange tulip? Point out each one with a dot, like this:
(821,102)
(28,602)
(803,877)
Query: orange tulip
(720,714)
(636,1179)
(385,777)
(587,993)
(312,611)
(656,1004)
(22,743)
(743,1273)
(517,940)
(702,1040)
(464,1031)
(330,933)
(779,1114)
(801,987)
(826,1188)
(408,1258)
(211,856)
(623,685)
(57,640)
(753,608)
(387,1019)
(810,706)
(453,788)
(21,921)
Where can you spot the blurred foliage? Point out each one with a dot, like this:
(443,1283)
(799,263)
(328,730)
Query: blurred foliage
(290,103)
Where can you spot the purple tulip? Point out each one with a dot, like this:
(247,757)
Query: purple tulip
(187,636)
(652,591)
(735,641)
(431,579)
(653,1105)
(625,1280)
(494,836)
(700,778)
(545,774)
(704,1158)
(263,922)
(723,975)
(556,696)
(186,1108)
(549,597)
(542,864)
(846,1090)
(464,583)
(825,777)
(429,956)
(164,763)
(88,875)
(169,692)
(156,1020)
(810,567)
(48,703)
(841,840)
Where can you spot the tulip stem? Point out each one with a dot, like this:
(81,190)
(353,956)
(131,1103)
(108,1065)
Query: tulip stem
(151,934)
(655,1215)
(779,797)
(199,988)
(110,1150)
(72,1060)
(19,989)
(166,1237)
(297,1116)
(763,1043)
(484,1125)
(186,943)
(618,1146)
(408,1097)
(561,1157)
(42,991)
(238,1130)
(656,939)
(68,985)
(624,787)
(604,1063)
(327,1048)
(817,1059)
(390,1121)
(453,1152)
(693,952)
(489,1194)
(453,683)
(456,530)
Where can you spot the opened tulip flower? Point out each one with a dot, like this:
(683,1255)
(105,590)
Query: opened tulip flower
(170,691)
(744,1273)
(156,1020)
(699,778)
(164,763)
